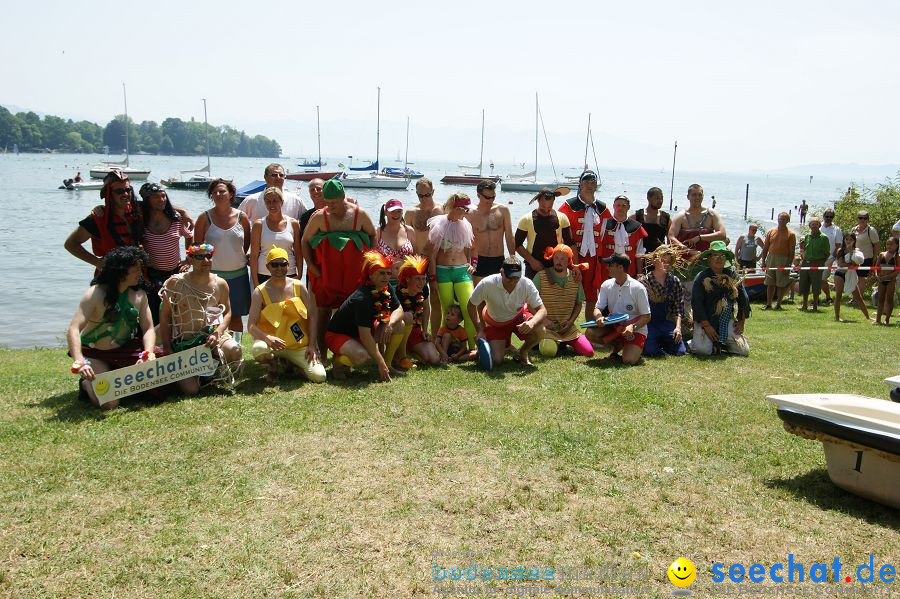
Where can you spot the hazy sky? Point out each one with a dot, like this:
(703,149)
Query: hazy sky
(758,85)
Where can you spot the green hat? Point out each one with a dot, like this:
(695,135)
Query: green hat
(715,247)
(333,189)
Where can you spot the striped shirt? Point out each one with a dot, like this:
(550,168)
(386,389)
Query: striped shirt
(164,248)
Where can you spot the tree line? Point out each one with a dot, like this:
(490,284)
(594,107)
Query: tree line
(31,133)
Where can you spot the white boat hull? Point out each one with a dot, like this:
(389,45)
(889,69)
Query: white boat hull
(506,185)
(375,182)
(86,186)
(134,174)
(860,437)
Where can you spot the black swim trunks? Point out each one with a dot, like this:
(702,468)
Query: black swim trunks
(488,265)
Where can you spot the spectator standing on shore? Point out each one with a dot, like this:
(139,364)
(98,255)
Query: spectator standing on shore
(815,248)
(778,252)
(835,236)
(887,281)
(846,278)
(746,247)
(804,208)
(868,243)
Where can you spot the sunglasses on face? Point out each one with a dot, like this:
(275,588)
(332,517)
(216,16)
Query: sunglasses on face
(123,191)
(277,175)
(279,264)
(200,257)
(425,195)
(487,197)
(862,218)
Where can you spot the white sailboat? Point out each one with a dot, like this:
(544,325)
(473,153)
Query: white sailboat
(99,171)
(373,180)
(197,181)
(468,176)
(521,182)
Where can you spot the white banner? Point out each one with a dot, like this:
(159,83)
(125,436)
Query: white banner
(115,384)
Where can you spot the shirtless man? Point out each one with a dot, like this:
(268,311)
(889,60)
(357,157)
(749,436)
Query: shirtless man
(492,225)
(334,273)
(98,344)
(196,310)
(654,219)
(418,216)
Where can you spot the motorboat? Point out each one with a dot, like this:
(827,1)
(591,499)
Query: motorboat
(860,436)
(754,281)
(197,181)
(403,173)
(71,185)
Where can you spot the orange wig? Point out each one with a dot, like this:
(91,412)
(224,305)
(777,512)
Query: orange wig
(548,255)
(412,266)
(372,261)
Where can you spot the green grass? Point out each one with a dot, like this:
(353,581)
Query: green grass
(344,490)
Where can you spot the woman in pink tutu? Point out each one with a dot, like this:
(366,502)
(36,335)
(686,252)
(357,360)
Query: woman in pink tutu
(450,238)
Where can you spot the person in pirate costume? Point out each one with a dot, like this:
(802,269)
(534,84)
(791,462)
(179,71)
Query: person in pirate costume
(720,305)
(367,321)
(412,291)
(282,321)
(665,293)
(622,235)
(586,215)
(196,310)
(563,297)
(112,327)
(541,229)
(333,245)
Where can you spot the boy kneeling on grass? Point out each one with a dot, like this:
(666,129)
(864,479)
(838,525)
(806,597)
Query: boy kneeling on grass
(368,322)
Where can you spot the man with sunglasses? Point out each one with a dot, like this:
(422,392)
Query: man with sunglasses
(417,217)
(254,207)
(492,225)
(542,228)
(196,310)
(282,321)
(118,224)
(587,215)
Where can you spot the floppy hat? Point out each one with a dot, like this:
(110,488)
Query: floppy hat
(718,246)
(546,192)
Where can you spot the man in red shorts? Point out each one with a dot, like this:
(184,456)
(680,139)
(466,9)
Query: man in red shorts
(587,217)
(621,294)
(333,244)
(501,306)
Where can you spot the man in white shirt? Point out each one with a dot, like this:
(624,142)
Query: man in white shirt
(501,305)
(254,207)
(621,294)
(835,238)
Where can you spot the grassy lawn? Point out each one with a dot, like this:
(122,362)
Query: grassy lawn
(300,490)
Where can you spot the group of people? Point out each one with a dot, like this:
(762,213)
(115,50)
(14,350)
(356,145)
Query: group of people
(825,249)
(423,285)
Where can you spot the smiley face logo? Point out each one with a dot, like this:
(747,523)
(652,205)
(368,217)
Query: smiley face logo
(682,572)
(101,387)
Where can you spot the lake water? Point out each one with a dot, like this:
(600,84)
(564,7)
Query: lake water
(44,282)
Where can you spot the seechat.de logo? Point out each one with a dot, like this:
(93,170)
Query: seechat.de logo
(682,573)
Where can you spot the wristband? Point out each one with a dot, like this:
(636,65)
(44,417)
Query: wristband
(78,365)
(147,355)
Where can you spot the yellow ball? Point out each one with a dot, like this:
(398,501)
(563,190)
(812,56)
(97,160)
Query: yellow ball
(548,347)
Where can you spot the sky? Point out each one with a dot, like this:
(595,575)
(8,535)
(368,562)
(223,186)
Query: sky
(755,86)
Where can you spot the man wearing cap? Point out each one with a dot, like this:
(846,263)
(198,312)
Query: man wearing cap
(779,249)
(492,225)
(282,321)
(254,207)
(621,294)
(654,219)
(333,245)
(119,222)
(586,215)
(418,216)
(540,229)
(501,306)
(196,310)
(622,235)
(563,297)
(720,305)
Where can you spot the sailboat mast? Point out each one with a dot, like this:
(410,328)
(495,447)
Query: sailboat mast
(587,139)
(536,110)
(206,129)
(378,130)
(125,97)
(406,155)
(481,155)
(319,137)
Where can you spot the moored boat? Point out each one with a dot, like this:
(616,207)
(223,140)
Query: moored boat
(310,174)
(468,179)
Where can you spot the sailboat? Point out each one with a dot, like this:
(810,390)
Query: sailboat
(100,170)
(469,177)
(373,180)
(521,182)
(309,169)
(392,171)
(197,182)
